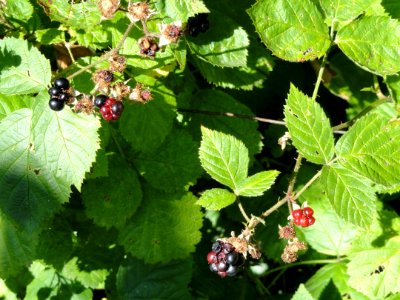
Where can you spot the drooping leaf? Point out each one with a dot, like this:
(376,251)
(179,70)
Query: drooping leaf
(181,10)
(309,127)
(302,294)
(224,157)
(24,70)
(137,280)
(339,11)
(216,199)
(255,185)
(372,148)
(17,248)
(146,126)
(111,200)
(372,43)
(82,15)
(292,30)
(171,224)
(351,194)
(218,102)
(223,48)
(173,165)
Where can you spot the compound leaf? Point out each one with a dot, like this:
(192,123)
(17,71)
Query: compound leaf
(24,69)
(137,280)
(309,127)
(372,43)
(168,226)
(292,30)
(224,157)
(255,185)
(172,165)
(351,195)
(216,199)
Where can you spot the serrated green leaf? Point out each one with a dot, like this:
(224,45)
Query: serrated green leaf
(219,102)
(8,104)
(111,200)
(97,38)
(216,199)
(341,11)
(182,9)
(255,185)
(302,294)
(146,126)
(171,224)
(393,84)
(137,280)
(17,248)
(223,48)
(392,7)
(351,195)
(373,270)
(372,148)
(309,127)
(82,15)
(334,239)
(225,158)
(372,43)
(24,69)
(50,36)
(172,165)
(20,10)
(292,30)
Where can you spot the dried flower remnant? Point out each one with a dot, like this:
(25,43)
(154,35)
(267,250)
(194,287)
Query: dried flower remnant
(117,63)
(148,47)
(170,33)
(138,11)
(108,7)
(103,78)
(140,94)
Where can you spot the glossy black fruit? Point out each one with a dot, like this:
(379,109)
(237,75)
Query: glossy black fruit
(232,258)
(54,91)
(61,83)
(100,100)
(232,270)
(117,108)
(216,247)
(63,96)
(56,105)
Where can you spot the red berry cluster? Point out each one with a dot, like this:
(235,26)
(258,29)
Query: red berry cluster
(223,259)
(110,108)
(303,217)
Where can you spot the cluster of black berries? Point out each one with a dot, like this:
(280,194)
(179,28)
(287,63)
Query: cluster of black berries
(198,23)
(223,259)
(110,108)
(59,94)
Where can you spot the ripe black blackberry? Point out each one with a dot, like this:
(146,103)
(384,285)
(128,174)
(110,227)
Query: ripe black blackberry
(59,93)
(223,259)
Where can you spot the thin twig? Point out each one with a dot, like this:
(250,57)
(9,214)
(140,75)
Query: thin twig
(242,211)
(292,182)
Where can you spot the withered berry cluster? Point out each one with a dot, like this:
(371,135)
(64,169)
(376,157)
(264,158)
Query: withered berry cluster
(223,259)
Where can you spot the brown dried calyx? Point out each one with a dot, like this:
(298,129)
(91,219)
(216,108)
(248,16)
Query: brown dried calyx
(103,78)
(287,232)
(140,94)
(117,63)
(84,105)
(108,7)
(139,11)
(290,253)
(243,245)
(148,47)
(120,90)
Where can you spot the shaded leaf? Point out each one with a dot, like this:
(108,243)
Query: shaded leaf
(224,157)
(292,30)
(372,43)
(216,199)
(8,104)
(302,294)
(309,127)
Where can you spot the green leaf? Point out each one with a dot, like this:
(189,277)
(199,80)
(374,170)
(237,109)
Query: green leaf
(392,7)
(111,200)
(339,11)
(21,10)
(373,270)
(24,69)
(372,43)
(17,247)
(173,165)
(292,30)
(171,224)
(351,194)
(372,148)
(257,184)
(224,157)
(146,126)
(181,10)
(137,280)
(81,15)
(216,199)
(302,294)
(8,104)
(309,127)
(50,36)
(219,102)
(334,239)
(393,84)
(223,48)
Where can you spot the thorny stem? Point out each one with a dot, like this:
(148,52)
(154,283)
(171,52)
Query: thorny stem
(105,56)
(307,185)
(292,182)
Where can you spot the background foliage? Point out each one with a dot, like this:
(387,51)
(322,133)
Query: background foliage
(129,209)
